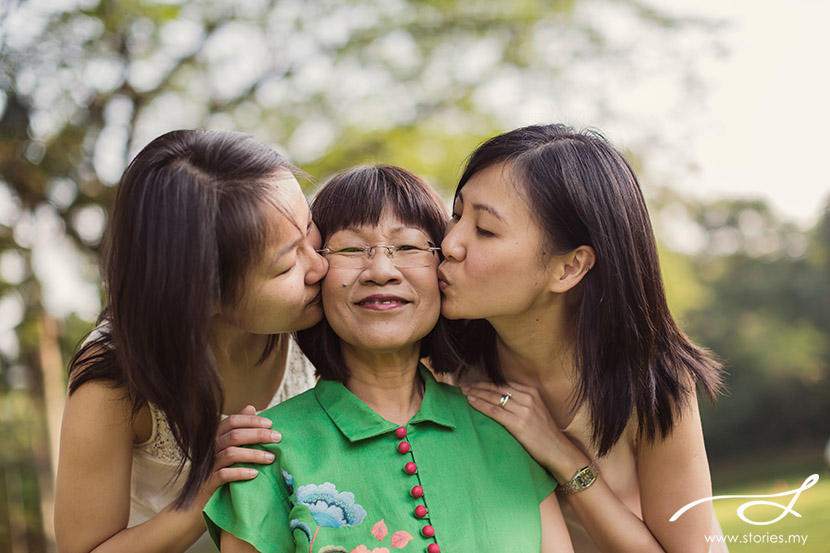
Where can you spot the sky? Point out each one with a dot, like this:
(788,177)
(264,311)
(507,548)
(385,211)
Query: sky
(762,129)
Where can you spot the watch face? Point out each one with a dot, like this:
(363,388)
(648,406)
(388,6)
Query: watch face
(581,480)
(584,478)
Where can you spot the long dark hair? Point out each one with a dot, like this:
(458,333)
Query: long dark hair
(358,197)
(630,354)
(189,221)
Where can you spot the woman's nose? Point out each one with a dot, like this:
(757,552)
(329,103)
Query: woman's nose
(318,265)
(451,245)
(380,268)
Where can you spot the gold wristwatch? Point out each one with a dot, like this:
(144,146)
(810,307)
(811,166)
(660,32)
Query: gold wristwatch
(581,480)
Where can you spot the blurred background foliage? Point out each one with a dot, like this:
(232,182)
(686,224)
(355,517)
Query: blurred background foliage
(84,84)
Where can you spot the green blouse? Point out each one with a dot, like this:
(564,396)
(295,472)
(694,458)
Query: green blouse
(347,480)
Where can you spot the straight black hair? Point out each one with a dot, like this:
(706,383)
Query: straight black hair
(631,357)
(189,222)
(359,197)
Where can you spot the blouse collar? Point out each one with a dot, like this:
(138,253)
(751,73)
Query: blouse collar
(357,421)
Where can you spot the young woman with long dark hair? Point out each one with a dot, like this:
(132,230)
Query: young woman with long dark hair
(572,346)
(208,257)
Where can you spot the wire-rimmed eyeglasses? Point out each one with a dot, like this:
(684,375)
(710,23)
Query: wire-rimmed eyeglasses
(402,256)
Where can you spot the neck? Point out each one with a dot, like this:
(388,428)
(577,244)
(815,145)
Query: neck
(234,349)
(537,349)
(388,382)
(245,382)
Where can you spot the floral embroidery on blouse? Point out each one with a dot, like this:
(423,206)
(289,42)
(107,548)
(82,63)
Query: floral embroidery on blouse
(289,482)
(300,525)
(329,507)
(398,540)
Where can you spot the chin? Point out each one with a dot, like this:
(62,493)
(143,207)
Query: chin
(309,319)
(450,311)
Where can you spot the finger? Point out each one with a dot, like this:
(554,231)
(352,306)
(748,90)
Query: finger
(493,398)
(485,385)
(511,386)
(247,436)
(492,410)
(515,397)
(524,388)
(232,455)
(244,421)
(232,474)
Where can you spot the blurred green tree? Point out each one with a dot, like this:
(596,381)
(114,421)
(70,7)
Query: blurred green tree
(757,292)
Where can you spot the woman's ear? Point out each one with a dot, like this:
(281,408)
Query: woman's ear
(567,270)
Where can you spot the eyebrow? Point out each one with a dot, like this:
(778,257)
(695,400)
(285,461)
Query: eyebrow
(297,242)
(483,207)
(395,230)
(289,248)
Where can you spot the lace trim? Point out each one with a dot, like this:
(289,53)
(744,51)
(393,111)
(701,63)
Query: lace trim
(299,377)
(161,445)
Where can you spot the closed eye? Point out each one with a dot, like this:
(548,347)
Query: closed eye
(350,249)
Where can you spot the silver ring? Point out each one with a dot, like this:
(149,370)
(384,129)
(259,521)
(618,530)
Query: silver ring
(503,400)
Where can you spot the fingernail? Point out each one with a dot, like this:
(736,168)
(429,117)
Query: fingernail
(265,423)
(252,473)
(465,389)
(471,399)
(276,436)
(270,457)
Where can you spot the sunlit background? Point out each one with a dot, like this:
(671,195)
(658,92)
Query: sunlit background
(721,106)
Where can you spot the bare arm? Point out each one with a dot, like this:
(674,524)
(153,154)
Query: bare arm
(555,538)
(92,506)
(672,473)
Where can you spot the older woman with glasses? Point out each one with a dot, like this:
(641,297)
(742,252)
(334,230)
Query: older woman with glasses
(379,455)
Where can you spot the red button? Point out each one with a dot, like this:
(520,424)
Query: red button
(417,491)
(428,531)
(400,433)
(420,511)
(410,468)
(433,548)
(403,447)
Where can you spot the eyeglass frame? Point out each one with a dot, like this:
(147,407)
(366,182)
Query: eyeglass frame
(368,252)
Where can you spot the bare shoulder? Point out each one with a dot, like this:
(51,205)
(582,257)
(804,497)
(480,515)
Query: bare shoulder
(99,406)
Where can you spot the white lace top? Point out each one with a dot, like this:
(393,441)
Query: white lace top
(154,484)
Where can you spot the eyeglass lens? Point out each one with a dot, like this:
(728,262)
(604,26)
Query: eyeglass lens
(401,256)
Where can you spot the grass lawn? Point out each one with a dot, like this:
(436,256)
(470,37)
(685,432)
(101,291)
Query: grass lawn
(770,473)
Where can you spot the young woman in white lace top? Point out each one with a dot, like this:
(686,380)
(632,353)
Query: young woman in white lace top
(209,259)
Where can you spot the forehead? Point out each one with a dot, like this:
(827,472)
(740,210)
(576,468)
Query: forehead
(286,212)
(389,225)
(284,199)
(285,192)
(495,190)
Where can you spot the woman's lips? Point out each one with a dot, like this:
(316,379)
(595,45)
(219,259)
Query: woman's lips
(316,299)
(442,281)
(382,302)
